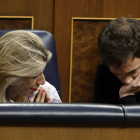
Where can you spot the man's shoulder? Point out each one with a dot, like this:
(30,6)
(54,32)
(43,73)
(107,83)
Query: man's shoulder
(100,65)
(103,68)
(104,73)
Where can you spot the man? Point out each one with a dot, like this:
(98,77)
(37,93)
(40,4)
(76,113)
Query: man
(117,80)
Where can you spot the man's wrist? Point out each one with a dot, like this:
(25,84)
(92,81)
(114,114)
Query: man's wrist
(128,100)
(121,95)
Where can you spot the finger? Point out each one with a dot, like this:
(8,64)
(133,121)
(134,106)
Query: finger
(136,81)
(41,89)
(42,97)
(48,99)
(31,100)
(38,96)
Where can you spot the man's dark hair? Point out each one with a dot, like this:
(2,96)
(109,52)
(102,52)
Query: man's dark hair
(119,40)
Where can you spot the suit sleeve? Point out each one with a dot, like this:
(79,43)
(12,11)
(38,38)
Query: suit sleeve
(98,96)
(128,100)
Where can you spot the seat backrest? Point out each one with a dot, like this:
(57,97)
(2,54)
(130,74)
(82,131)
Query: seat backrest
(51,71)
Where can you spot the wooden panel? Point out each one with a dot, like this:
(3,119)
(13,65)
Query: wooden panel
(121,8)
(42,10)
(66,9)
(84,59)
(16,22)
(68,133)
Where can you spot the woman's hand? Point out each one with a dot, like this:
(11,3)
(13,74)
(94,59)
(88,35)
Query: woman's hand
(42,96)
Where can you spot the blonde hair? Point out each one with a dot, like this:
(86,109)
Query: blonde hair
(22,54)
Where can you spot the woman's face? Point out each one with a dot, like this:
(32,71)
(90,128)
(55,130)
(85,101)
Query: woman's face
(32,84)
(29,85)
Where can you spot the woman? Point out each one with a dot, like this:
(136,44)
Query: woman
(23,58)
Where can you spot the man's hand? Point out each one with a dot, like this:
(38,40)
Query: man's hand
(42,96)
(130,89)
